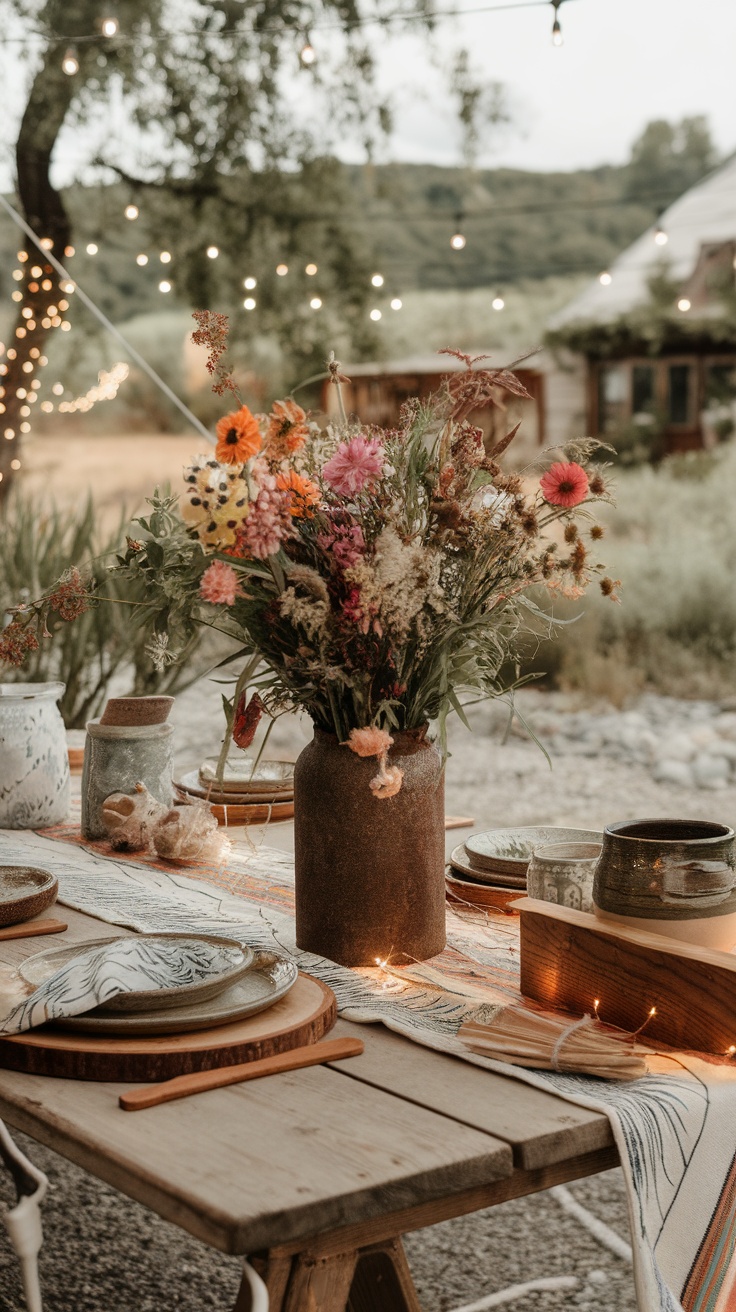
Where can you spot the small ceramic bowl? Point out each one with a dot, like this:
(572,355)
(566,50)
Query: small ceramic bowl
(564,873)
(25,892)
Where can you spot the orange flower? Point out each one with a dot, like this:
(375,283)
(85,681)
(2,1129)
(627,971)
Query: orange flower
(287,429)
(304,494)
(238,437)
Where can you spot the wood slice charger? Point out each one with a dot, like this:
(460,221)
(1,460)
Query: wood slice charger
(305,1015)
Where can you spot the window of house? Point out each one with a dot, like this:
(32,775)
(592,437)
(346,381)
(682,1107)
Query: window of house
(679,393)
(613,396)
(642,390)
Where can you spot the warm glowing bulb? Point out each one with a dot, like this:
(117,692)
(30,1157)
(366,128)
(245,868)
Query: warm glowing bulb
(15,464)
(213,252)
(249,284)
(66,327)
(46,285)
(165,257)
(10,434)
(310,270)
(58,389)
(18,274)
(25,427)
(377,280)
(69,251)
(164,286)
(282,270)
(70,63)
(249,303)
(17,296)
(457,241)
(375,315)
(683,304)
(605,279)
(36,271)
(131,211)
(396,303)
(46,243)
(92,248)
(308,54)
(652,1011)
(316,303)
(141,260)
(498,302)
(660,237)
(67,287)
(22,256)
(109,26)
(556,33)
(731,1050)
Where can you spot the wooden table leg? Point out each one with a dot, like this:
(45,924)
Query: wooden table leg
(375,1278)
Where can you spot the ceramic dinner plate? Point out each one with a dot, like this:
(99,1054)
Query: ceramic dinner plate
(240,776)
(508,851)
(211,792)
(459,861)
(175,969)
(267,979)
(24,892)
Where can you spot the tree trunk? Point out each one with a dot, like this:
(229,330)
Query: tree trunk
(51,95)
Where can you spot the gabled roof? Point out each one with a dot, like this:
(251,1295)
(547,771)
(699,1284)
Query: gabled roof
(705,214)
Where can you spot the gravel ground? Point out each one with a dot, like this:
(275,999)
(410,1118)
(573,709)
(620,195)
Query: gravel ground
(106,1254)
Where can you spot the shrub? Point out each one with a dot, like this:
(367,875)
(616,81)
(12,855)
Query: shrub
(36,546)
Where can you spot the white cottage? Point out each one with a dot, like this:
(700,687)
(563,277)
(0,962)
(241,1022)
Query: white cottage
(650,345)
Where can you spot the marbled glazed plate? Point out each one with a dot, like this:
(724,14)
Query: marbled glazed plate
(175,969)
(509,851)
(25,891)
(459,861)
(239,776)
(267,980)
(191,783)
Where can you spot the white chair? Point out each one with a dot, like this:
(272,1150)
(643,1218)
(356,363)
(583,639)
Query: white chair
(23,1222)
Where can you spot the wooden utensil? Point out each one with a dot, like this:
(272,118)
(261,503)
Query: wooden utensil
(33,927)
(314,1054)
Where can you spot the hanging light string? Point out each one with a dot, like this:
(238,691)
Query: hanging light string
(103,319)
(368,20)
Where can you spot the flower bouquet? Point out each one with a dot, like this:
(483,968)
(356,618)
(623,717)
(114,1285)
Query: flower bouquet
(376,579)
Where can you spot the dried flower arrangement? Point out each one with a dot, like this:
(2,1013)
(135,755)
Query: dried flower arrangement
(372,577)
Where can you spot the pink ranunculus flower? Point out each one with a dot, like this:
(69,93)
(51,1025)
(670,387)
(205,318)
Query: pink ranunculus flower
(564,484)
(219,584)
(344,543)
(354,465)
(369,741)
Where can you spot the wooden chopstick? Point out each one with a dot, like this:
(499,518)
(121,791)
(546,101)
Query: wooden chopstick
(33,927)
(312,1054)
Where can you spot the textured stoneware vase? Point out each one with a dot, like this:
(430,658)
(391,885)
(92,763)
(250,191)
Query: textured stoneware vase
(34,764)
(673,877)
(370,873)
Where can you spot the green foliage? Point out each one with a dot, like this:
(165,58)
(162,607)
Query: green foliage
(105,644)
(671,157)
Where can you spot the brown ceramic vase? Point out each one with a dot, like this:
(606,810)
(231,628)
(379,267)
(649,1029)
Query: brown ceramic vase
(369,873)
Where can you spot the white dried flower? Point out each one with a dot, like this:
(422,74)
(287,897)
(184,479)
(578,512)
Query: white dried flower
(158,650)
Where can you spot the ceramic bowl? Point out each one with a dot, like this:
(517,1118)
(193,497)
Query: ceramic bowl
(508,851)
(564,873)
(24,892)
(673,877)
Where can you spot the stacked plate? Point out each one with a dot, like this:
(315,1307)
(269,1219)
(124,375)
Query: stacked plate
(188,982)
(246,793)
(489,869)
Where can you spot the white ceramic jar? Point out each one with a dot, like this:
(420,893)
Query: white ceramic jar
(34,765)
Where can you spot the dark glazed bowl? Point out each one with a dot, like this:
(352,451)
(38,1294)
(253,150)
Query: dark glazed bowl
(666,870)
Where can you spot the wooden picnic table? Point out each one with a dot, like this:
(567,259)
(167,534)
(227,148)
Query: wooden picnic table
(316,1174)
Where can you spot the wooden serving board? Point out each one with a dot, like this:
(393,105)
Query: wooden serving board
(570,958)
(305,1015)
(480,895)
(240,813)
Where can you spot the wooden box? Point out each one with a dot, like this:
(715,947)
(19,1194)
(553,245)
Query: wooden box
(570,958)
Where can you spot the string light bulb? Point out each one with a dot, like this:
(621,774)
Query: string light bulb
(141,260)
(131,212)
(92,248)
(316,303)
(605,279)
(282,270)
(310,270)
(660,236)
(164,286)
(249,303)
(376,315)
(396,303)
(249,284)
(308,54)
(109,26)
(377,280)
(457,241)
(498,302)
(165,257)
(213,252)
(70,63)
(557,38)
(683,304)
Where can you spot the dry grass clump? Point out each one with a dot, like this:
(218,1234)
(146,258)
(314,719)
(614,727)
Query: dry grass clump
(672,541)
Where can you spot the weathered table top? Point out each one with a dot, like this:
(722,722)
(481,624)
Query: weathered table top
(397,1139)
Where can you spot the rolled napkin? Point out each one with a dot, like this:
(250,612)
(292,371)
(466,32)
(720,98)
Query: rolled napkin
(554,1043)
(124,965)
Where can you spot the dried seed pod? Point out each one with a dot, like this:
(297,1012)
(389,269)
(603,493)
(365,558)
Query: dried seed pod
(190,833)
(129,819)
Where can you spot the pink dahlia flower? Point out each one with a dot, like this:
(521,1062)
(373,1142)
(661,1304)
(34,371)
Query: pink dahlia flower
(354,465)
(564,484)
(369,741)
(344,542)
(219,584)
